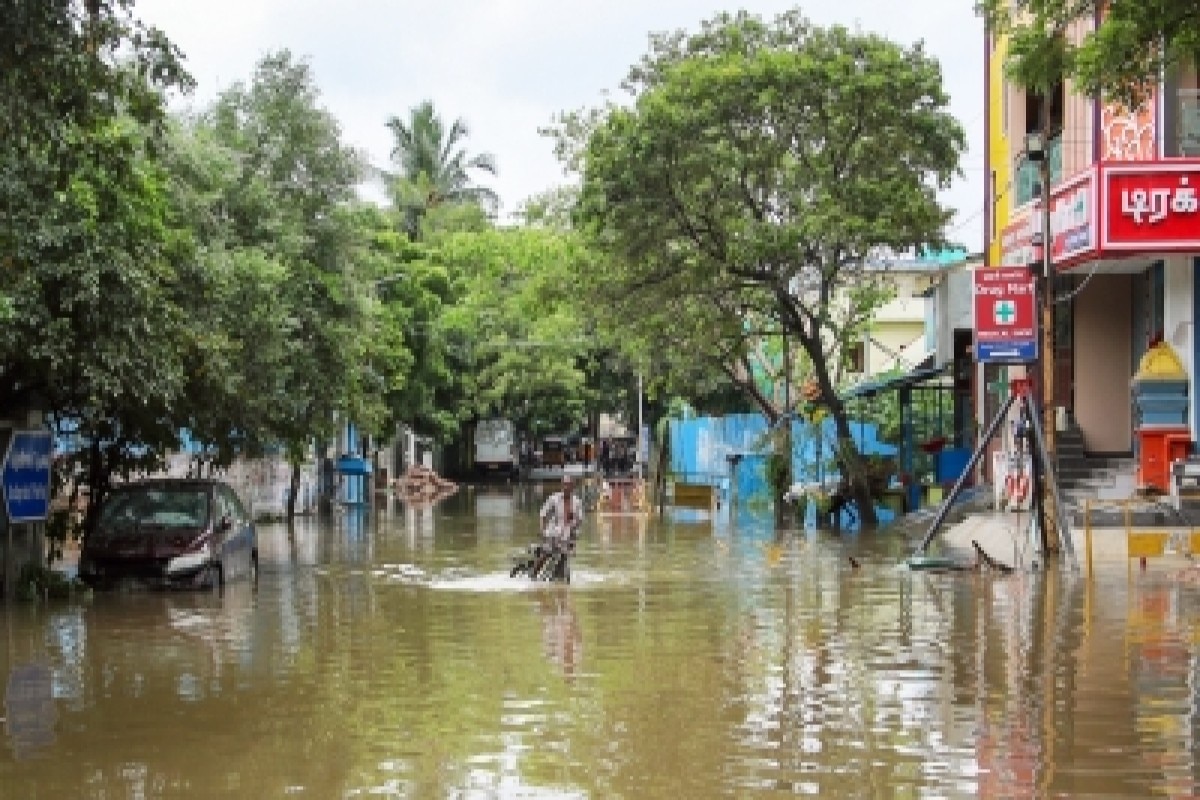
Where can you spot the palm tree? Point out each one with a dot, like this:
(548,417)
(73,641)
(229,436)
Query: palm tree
(433,168)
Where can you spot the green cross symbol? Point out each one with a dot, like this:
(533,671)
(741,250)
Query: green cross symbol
(1005,312)
(1000,385)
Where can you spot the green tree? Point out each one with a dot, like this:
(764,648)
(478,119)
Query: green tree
(433,168)
(99,338)
(525,343)
(91,332)
(756,172)
(68,67)
(294,182)
(416,363)
(61,79)
(235,296)
(1123,57)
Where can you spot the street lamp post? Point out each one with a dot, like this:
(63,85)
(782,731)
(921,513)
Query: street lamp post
(1036,149)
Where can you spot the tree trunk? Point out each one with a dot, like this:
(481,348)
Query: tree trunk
(664,461)
(849,460)
(293,490)
(851,463)
(779,476)
(97,485)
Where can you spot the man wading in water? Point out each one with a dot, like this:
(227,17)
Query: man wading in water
(562,513)
(560,518)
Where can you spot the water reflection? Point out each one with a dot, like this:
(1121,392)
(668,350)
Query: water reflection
(389,654)
(562,637)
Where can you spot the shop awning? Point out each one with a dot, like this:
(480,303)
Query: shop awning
(894,383)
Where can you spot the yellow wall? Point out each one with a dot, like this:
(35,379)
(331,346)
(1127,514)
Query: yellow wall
(1000,157)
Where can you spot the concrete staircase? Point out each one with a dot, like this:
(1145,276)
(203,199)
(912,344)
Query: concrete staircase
(1084,477)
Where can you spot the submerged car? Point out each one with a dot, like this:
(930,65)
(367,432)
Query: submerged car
(170,533)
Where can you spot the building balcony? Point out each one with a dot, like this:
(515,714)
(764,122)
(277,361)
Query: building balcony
(901,310)
(1025,184)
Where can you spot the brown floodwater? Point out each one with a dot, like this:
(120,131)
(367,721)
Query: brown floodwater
(392,656)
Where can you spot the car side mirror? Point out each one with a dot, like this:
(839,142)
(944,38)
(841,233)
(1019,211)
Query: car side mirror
(225,524)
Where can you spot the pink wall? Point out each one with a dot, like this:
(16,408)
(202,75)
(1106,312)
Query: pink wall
(1103,363)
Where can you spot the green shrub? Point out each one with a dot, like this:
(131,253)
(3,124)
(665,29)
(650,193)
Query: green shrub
(36,582)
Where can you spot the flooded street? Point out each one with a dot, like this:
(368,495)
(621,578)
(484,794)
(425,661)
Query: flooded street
(392,656)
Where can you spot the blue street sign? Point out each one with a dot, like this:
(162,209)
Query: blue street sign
(1016,352)
(26,476)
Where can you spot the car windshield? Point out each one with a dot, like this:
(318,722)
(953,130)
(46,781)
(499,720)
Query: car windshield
(163,507)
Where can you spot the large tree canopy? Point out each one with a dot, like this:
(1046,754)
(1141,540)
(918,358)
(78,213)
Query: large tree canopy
(67,64)
(287,197)
(756,172)
(1135,42)
(68,69)
(94,334)
(526,349)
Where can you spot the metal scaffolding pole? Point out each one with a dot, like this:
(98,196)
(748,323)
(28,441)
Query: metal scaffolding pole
(1050,481)
(1037,149)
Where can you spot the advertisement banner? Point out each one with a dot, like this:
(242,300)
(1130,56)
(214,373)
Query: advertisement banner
(1072,219)
(1151,207)
(1016,241)
(1073,211)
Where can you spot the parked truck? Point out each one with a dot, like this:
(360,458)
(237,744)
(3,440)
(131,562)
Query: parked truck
(496,447)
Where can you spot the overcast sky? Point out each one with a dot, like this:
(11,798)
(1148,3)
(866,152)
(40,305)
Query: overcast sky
(508,66)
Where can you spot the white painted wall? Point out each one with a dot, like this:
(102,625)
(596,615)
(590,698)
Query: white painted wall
(954,309)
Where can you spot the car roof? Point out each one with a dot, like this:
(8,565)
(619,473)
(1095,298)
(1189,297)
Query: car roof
(170,483)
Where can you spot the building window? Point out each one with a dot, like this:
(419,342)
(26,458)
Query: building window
(1026,177)
(1035,107)
(1181,111)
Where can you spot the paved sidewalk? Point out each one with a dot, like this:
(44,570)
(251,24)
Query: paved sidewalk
(1008,538)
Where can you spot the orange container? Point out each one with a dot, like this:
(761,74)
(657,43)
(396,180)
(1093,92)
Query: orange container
(1157,448)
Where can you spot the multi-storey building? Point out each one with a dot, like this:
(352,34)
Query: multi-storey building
(1124,232)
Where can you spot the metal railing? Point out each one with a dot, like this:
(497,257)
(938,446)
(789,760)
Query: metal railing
(1170,532)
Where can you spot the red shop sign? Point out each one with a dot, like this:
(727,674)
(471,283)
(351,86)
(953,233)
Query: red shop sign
(1151,207)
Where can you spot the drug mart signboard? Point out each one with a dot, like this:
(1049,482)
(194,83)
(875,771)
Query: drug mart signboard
(1006,329)
(26,476)
(1151,207)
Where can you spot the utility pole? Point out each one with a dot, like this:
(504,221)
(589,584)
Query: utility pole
(640,443)
(1037,148)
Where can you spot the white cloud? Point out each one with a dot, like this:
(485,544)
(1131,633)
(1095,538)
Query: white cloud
(508,66)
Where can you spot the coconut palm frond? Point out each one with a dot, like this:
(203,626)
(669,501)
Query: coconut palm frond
(432,165)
